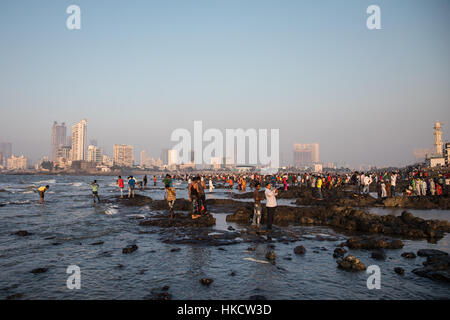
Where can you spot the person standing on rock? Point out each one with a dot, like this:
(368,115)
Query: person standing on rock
(393,183)
(257,210)
(154,181)
(131,186)
(121,186)
(383,190)
(319,187)
(42,191)
(194,198)
(367,182)
(271,204)
(211,186)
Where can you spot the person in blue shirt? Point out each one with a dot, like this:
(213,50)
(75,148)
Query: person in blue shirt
(131,186)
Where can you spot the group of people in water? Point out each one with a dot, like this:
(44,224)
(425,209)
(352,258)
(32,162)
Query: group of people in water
(418,184)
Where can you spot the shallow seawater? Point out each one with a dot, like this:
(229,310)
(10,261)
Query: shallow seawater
(65,227)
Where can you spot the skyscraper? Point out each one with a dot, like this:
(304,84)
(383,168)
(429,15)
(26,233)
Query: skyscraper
(306,154)
(172,157)
(143,160)
(165,156)
(123,155)
(79,134)
(58,137)
(94,154)
(6,150)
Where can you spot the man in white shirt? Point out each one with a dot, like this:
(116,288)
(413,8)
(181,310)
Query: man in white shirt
(367,182)
(393,183)
(271,204)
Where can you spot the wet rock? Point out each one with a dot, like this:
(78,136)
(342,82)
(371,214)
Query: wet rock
(23,233)
(378,254)
(430,253)
(350,263)
(175,249)
(50,238)
(160,294)
(181,220)
(251,249)
(370,243)
(206,281)
(270,255)
(299,250)
(399,270)
(222,249)
(408,255)
(39,270)
(231,228)
(339,252)
(437,267)
(97,243)
(353,220)
(15,296)
(129,249)
(233,273)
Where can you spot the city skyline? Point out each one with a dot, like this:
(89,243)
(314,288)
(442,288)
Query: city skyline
(312,70)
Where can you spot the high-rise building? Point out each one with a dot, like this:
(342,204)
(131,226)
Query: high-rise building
(172,157)
(63,152)
(143,159)
(6,150)
(123,155)
(79,139)
(2,160)
(438,144)
(17,163)
(165,156)
(306,154)
(58,137)
(94,154)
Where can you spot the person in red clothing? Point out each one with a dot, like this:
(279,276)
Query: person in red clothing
(438,189)
(121,185)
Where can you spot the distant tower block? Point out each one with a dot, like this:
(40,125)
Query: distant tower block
(438,145)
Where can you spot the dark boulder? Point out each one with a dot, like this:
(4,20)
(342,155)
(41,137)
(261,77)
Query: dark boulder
(299,250)
(130,249)
(408,255)
(339,252)
(399,270)
(39,270)
(206,281)
(350,263)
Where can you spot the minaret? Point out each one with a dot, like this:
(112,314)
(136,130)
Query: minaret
(438,145)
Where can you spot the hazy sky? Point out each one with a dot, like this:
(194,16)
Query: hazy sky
(137,70)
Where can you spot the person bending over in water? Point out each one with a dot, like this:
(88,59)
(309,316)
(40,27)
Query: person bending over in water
(94,187)
(42,191)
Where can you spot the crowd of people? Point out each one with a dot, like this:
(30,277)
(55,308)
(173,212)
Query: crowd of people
(415,183)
